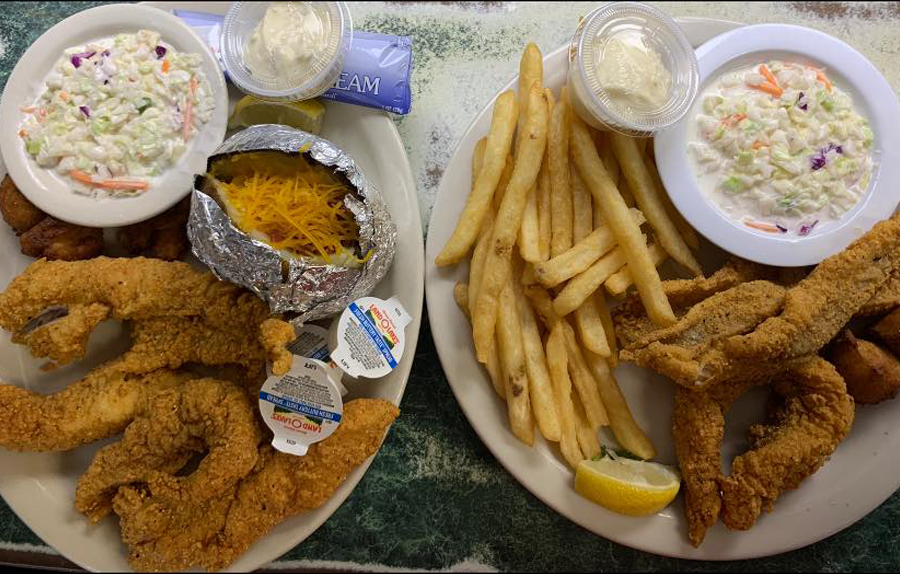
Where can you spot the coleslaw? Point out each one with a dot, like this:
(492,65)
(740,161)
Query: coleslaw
(780,148)
(117,112)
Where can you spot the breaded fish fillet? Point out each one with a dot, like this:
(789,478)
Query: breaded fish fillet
(98,406)
(166,534)
(813,416)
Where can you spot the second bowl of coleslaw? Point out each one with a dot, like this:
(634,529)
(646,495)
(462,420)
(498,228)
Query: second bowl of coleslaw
(110,113)
(790,150)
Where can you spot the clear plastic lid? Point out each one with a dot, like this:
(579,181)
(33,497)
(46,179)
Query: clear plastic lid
(653,37)
(301,83)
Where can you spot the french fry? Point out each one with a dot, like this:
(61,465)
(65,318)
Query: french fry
(582,210)
(509,339)
(499,139)
(621,280)
(583,380)
(531,71)
(561,198)
(542,304)
(625,191)
(626,430)
(641,184)
(608,327)
(544,194)
(493,361)
(684,228)
(461,295)
(503,183)
(540,387)
(580,256)
(529,231)
(507,222)
(479,256)
(604,150)
(557,360)
(478,159)
(585,283)
(587,437)
(590,327)
(628,234)
(528,275)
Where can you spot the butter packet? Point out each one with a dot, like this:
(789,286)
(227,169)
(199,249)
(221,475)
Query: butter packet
(302,407)
(369,337)
(376,71)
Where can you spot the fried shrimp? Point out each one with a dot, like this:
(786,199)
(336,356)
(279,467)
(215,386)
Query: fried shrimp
(202,415)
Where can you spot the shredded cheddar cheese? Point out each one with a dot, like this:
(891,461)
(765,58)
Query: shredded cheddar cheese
(296,205)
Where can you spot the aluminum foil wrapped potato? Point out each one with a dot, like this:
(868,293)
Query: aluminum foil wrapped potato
(306,287)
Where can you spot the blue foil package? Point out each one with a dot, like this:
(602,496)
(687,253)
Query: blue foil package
(376,72)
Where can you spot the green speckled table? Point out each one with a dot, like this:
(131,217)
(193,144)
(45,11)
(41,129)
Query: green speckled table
(435,498)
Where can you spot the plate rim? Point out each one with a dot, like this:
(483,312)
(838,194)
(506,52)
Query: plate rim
(512,459)
(409,195)
(75,209)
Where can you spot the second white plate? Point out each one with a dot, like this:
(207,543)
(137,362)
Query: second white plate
(859,477)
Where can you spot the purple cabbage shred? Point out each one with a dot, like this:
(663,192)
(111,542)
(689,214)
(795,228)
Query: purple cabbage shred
(85,110)
(781,228)
(76,58)
(819,160)
(800,99)
(805,229)
(160,52)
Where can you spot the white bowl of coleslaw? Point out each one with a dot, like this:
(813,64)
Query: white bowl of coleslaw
(791,151)
(109,115)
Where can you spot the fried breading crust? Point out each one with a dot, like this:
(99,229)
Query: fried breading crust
(820,305)
(153,294)
(165,534)
(58,240)
(197,416)
(17,211)
(98,406)
(814,417)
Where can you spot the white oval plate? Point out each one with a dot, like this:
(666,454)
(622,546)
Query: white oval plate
(52,192)
(852,72)
(860,476)
(40,487)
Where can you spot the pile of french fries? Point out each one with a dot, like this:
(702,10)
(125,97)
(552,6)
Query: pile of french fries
(553,218)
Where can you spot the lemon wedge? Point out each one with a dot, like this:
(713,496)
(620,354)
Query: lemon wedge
(630,487)
(306,115)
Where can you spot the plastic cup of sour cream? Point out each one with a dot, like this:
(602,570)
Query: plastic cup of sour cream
(285,51)
(631,69)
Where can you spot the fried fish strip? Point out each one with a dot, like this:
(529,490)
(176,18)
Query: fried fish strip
(98,406)
(200,415)
(88,292)
(819,306)
(815,415)
(165,534)
(691,348)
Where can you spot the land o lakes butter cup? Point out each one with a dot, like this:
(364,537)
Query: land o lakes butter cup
(302,407)
(368,339)
(312,343)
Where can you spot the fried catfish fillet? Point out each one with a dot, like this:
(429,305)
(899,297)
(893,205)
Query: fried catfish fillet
(171,305)
(813,415)
(165,533)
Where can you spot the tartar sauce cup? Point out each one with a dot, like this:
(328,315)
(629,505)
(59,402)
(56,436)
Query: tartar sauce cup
(301,82)
(653,90)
